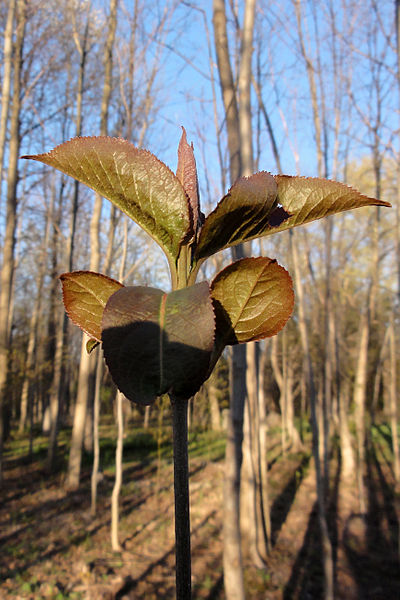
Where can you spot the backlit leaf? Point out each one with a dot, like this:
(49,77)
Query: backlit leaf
(187,174)
(246,212)
(253,299)
(156,343)
(134,180)
(85,295)
(307,199)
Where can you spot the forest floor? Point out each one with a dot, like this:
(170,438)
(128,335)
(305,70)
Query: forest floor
(52,547)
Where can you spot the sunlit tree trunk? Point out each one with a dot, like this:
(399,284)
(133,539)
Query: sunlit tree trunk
(59,322)
(118,476)
(95,239)
(7,269)
(348,465)
(359,395)
(85,368)
(212,392)
(326,544)
(26,393)
(7,80)
(232,552)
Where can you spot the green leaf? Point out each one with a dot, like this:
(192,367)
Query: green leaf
(134,180)
(307,199)
(85,295)
(253,299)
(246,212)
(91,345)
(156,343)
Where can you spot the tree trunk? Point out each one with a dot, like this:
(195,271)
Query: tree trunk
(232,551)
(212,391)
(85,365)
(239,129)
(326,543)
(7,78)
(118,476)
(348,465)
(393,399)
(26,393)
(95,236)
(359,399)
(7,270)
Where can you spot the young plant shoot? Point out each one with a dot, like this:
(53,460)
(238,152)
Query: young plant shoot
(157,342)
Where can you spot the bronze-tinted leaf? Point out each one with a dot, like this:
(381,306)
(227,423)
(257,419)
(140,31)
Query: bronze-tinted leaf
(156,343)
(253,299)
(307,199)
(243,214)
(134,180)
(187,174)
(85,295)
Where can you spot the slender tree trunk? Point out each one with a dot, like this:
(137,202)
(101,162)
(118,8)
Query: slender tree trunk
(96,437)
(85,368)
(346,448)
(213,399)
(7,270)
(59,323)
(359,396)
(7,79)
(26,393)
(232,552)
(326,542)
(118,476)
(393,399)
(263,436)
(95,237)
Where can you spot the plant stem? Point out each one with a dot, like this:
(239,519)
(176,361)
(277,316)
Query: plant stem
(181,488)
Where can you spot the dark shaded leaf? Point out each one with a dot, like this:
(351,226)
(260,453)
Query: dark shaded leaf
(134,180)
(253,299)
(156,343)
(85,295)
(243,214)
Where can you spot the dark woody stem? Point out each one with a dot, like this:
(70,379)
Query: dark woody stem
(181,488)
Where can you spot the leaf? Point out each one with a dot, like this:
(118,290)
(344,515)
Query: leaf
(245,213)
(85,295)
(91,345)
(308,199)
(253,299)
(187,174)
(156,343)
(134,180)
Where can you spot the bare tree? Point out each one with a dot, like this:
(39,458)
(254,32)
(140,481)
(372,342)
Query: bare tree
(95,235)
(85,365)
(7,269)
(6,84)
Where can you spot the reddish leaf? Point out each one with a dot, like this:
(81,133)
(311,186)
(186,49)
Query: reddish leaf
(85,295)
(156,343)
(187,174)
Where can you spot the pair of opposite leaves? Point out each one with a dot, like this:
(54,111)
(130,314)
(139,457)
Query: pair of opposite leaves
(155,342)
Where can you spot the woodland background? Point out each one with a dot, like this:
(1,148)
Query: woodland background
(316,88)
